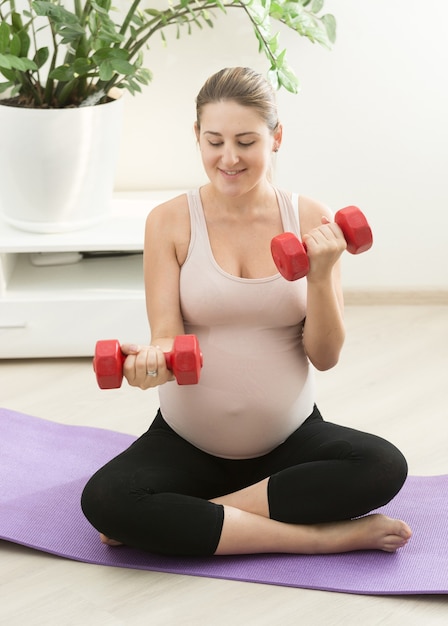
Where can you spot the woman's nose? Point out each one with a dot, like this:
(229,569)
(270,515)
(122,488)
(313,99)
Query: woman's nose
(229,155)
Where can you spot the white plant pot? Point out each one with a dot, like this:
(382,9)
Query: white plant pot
(57,166)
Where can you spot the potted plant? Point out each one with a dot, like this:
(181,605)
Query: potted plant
(68,60)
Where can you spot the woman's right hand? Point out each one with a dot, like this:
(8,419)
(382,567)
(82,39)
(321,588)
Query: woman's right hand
(145,366)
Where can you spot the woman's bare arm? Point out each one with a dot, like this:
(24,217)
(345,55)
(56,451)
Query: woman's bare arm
(324,332)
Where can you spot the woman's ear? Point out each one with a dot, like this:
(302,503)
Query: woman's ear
(196,131)
(278,135)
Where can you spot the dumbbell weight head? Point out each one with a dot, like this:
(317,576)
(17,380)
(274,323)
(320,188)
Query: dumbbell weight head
(108,364)
(290,256)
(356,230)
(185,359)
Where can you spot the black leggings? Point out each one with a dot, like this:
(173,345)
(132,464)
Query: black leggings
(154,496)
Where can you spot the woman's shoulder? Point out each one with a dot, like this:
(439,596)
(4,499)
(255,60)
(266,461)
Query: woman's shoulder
(171,216)
(168,229)
(174,208)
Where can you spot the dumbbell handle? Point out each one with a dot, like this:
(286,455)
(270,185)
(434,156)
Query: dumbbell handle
(184,360)
(290,255)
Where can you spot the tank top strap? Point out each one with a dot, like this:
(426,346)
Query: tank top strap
(197,219)
(198,226)
(289,211)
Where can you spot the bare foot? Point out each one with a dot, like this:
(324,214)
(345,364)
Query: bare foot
(109,542)
(372,532)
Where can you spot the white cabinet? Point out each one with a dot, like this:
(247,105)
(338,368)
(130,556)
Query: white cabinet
(60,293)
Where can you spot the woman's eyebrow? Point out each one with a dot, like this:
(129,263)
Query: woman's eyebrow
(216,134)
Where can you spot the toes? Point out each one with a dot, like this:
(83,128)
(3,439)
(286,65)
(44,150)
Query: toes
(109,542)
(394,542)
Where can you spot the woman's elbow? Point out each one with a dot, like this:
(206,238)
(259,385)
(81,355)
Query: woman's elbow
(326,363)
(326,357)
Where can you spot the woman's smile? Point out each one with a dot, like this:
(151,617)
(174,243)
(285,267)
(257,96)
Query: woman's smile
(231,173)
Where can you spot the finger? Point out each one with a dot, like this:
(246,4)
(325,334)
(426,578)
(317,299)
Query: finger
(152,362)
(321,234)
(162,366)
(130,348)
(330,232)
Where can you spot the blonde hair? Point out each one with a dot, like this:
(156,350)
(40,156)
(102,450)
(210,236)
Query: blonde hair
(244,86)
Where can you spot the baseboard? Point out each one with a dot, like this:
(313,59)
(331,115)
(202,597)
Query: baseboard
(396,297)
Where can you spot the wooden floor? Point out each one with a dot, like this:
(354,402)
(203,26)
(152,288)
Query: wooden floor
(392,379)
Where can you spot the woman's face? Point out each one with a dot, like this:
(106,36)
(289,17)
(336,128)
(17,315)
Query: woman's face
(236,146)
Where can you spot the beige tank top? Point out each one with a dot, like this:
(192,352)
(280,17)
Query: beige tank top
(257,385)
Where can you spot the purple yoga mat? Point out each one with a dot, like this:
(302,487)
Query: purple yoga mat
(44,466)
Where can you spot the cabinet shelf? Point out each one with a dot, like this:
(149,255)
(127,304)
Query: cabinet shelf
(62,310)
(88,279)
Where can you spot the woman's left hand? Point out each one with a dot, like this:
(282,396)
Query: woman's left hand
(324,245)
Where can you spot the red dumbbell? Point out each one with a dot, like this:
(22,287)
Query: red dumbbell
(290,255)
(184,360)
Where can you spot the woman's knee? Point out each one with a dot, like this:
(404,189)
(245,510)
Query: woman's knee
(388,470)
(92,504)
(102,500)
(398,467)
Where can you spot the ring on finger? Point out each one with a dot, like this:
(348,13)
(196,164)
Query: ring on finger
(152,373)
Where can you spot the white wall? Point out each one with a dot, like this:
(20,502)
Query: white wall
(369,127)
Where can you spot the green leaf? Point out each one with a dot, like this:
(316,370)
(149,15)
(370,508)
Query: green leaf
(15,91)
(23,65)
(70,33)
(62,73)
(221,6)
(15,46)
(288,79)
(317,6)
(57,13)
(16,21)
(122,67)
(130,88)
(10,75)
(281,59)
(67,91)
(138,21)
(11,62)
(4,36)
(330,26)
(5,62)
(25,42)
(153,12)
(110,37)
(273,43)
(82,66)
(93,23)
(143,76)
(99,8)
(41,56)
(110,53)
(5,86)
(132,85)
(104,4)
(106,71)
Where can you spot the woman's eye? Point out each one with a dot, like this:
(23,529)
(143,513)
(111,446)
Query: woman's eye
(242,144)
